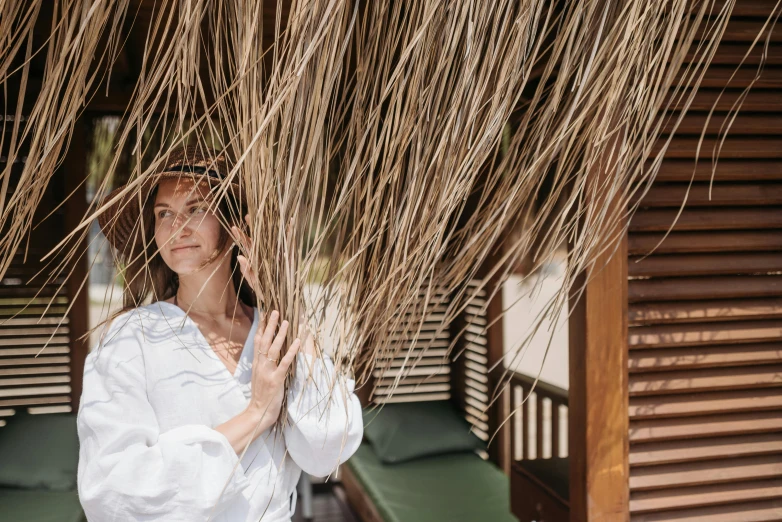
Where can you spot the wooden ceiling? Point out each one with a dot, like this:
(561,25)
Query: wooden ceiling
(126,68)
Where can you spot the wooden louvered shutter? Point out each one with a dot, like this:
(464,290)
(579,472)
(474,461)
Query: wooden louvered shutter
(424,372)
(471,382)
(705,312)
(429,374)
(44,380)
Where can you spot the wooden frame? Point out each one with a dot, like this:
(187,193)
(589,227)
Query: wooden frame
(358,498)
(74,170)
(598,395)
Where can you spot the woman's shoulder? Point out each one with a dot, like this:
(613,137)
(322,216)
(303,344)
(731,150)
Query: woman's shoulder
(123,326)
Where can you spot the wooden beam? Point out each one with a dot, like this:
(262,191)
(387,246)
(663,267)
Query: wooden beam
(500,449)
(74,170)
(598,402)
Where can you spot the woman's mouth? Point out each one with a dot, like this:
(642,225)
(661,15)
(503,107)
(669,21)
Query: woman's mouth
(184,248)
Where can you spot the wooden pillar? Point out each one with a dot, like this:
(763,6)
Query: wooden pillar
(500,448)
(598,395)
(74,170)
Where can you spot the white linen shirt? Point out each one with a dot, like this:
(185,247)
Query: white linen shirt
(153,392)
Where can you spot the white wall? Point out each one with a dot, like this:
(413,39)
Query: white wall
(519,318)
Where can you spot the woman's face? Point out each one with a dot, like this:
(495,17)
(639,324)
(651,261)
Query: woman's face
(187,232)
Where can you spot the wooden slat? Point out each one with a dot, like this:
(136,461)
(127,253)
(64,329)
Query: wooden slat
(706,426)
(18,352)
(34,341)
(757,100)
(743,30)
(717,310)
(757,8)
(27,292)
(412,372)
(32,391)
(694,123)
(413,397)
(30,401)
(703,242)
(555,430)
(691,288)
(733,53)
(705,403)
(726,170)
(5,373)
(680,335)
(539,426)
(718,194)
(655,383)
(708,449)
(761,147)
(36,321)
(738,218)
(410,389)
(712,495)
(10,331)
(704,357)
(706,264)
(719,76)
(32,361)
(425,362)
(756,511)
(699,473)
(423,379)
(39,379)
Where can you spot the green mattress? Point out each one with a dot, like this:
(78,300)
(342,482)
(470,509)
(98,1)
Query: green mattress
(40,506)
(453,487)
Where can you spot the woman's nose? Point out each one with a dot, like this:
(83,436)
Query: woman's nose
(181,224)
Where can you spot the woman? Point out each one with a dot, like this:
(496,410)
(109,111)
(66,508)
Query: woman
(177,389)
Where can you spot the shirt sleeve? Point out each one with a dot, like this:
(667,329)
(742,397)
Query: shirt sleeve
(325,426)
(127,469)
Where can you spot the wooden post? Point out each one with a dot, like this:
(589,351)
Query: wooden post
(500,449)
(74,169)
(598,396)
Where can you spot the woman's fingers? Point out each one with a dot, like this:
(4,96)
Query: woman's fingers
(276,347)
(268,333)
(248,274)
(289,357)
(240,238)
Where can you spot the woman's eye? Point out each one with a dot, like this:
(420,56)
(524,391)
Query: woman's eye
(197,210)
(163,213)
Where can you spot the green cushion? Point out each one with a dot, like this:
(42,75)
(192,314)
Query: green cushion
(459,487)
(40,506)
(39,451)
(407,431)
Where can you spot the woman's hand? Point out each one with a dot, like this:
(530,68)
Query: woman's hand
(269,370)
(245,245)
(267,384)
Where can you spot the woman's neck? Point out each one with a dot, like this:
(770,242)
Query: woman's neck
(208,293)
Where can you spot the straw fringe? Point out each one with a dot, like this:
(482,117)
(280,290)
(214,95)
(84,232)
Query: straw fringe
(402,141)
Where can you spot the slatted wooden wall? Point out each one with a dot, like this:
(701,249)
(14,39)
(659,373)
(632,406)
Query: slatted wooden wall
(434,376)
(473,387)
(705,310)
(31,377)
(421,363)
